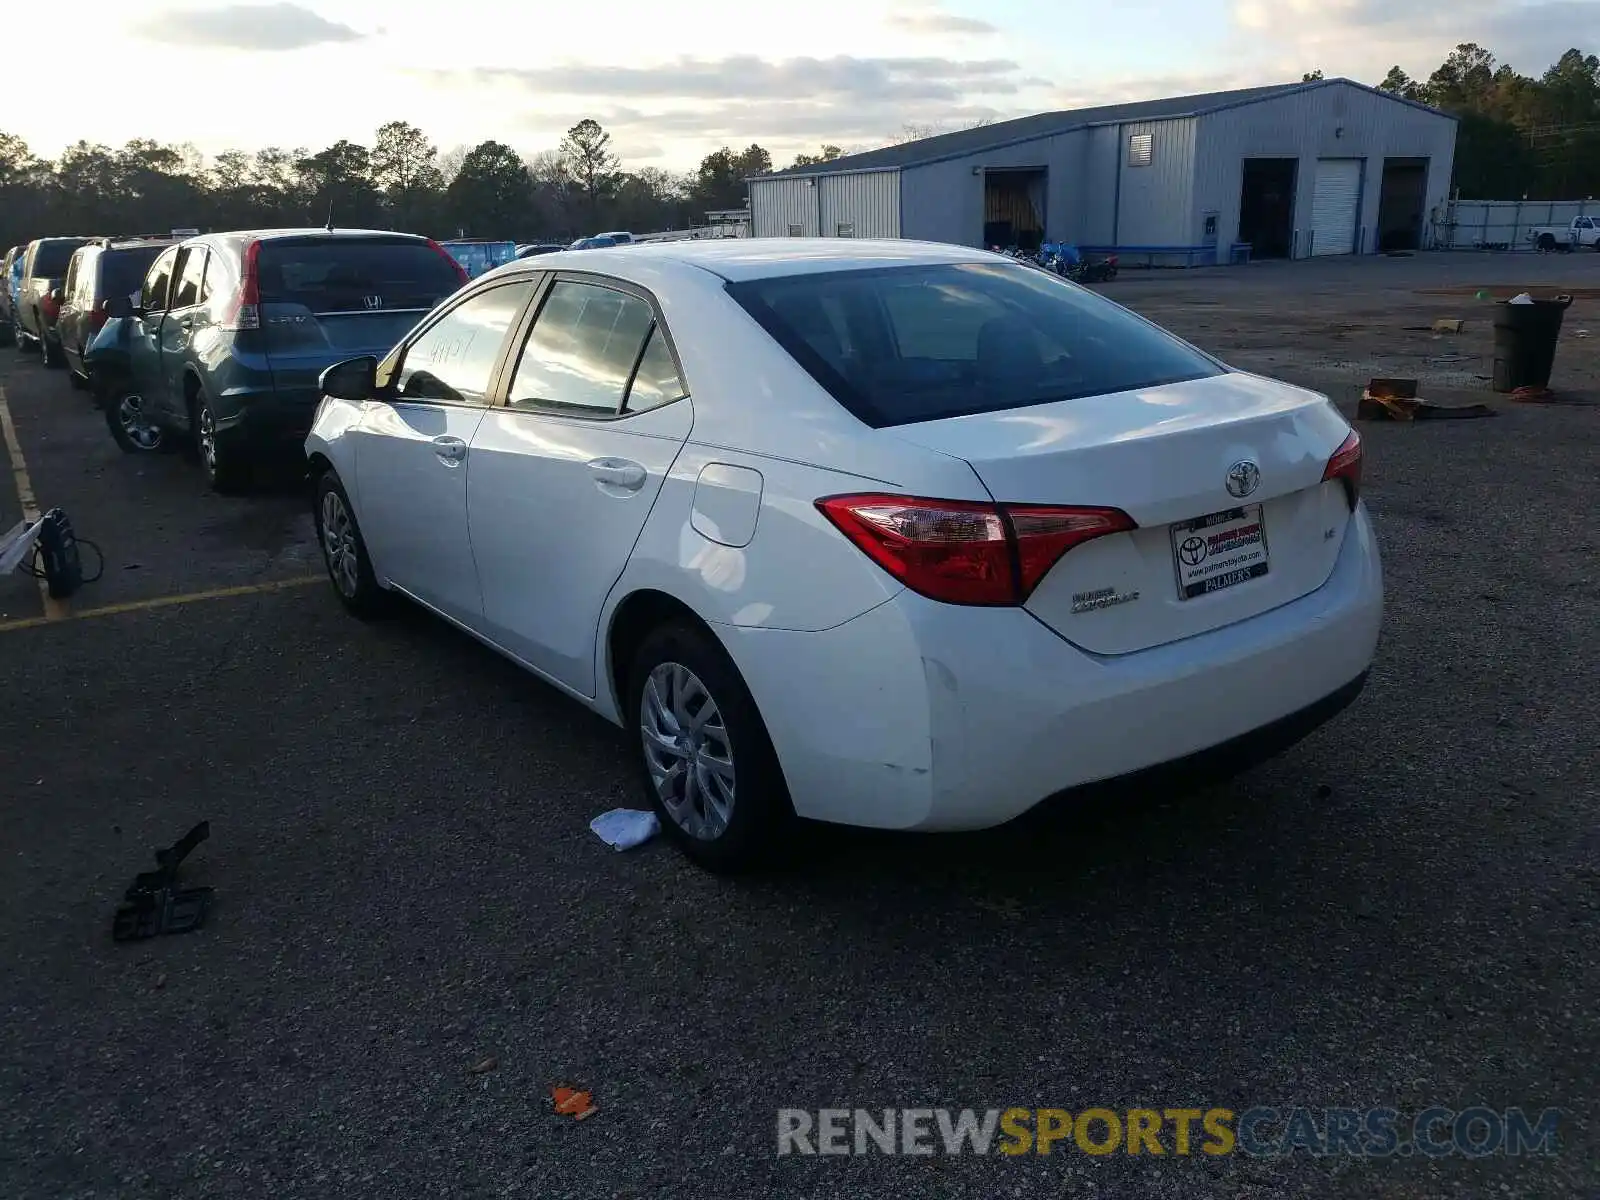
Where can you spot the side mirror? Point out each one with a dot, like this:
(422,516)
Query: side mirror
(354,379)
(118,307)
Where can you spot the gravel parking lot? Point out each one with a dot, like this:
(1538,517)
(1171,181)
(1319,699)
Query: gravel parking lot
(1400,912)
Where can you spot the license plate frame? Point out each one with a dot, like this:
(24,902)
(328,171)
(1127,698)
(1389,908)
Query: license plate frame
(1235,537)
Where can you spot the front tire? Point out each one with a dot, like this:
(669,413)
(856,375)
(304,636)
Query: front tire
(131,430)
(344,551)
(706,763)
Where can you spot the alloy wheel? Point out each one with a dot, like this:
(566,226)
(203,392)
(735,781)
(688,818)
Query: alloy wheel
(208,440)
(687,751)
(140,431)
(339,545)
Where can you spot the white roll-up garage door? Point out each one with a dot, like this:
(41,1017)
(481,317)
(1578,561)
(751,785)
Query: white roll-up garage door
(1335,206)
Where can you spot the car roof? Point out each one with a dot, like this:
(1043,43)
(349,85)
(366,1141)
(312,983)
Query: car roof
(736,259)
(312,232)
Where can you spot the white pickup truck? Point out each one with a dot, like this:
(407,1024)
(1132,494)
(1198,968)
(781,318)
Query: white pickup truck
(1584,231)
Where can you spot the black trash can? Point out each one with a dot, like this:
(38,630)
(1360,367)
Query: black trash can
(1525,342)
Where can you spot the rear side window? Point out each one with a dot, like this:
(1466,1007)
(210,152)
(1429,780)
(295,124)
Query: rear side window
(332,275)
(581,350)
(153,295)
(657,381)
(85,267)
(122,270)
(453,360)
(187,294)
(897,345)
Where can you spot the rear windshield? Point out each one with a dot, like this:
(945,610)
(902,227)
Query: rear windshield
(122,271)
(358,275)
(896,345)
(53,257)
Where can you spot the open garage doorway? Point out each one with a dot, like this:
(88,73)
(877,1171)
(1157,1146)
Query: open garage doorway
(1266,206)
(1013,208)
(1402,198)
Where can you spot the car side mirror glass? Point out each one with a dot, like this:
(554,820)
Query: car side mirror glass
(354,379)
(118,307)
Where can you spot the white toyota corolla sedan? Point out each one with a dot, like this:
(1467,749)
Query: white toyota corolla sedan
(883,533)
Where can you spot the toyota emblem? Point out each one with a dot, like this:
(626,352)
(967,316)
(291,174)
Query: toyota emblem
(1192,551)
(1244,477)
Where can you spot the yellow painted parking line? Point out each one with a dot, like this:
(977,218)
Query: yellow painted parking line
(54,610)
(111,610)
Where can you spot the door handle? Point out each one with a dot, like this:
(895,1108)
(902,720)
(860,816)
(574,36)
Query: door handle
(617,473)
(451,450)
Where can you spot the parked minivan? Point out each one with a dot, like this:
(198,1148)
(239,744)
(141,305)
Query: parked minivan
(230,332)
(39,297)
(105,268)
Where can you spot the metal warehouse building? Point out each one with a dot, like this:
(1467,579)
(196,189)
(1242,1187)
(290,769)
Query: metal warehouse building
(1292,171)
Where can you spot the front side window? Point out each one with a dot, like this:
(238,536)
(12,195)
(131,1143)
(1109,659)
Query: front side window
(896,345)
(582,349)
(453,360)
(153,296)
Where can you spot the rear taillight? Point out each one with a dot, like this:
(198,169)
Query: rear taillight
(965,553)
(50,306)
(244,310)
(97,316)
(461,272)
(1345,466)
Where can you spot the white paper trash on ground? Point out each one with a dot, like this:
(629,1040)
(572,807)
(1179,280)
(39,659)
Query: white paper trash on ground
(625,828)
(16,544)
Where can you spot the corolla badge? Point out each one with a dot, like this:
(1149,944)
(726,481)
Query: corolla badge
(1244,477)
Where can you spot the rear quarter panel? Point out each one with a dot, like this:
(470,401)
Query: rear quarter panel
(758,412)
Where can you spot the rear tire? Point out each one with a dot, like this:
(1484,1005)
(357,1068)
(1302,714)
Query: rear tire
(1547,243)
(226,468)
(706,763)
(344,551)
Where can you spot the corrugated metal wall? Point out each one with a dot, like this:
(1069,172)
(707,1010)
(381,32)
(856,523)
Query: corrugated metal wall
(1156,202)
(943,202)
(1336,121)
(778,204)
(868,202)
(1094,196)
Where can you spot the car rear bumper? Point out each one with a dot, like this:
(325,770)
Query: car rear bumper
(920,715)
(266,418)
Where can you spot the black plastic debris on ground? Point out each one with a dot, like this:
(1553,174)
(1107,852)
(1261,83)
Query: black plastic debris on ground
(155,904)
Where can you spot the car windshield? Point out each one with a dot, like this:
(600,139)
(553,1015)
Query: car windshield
(122,271)
(52,259)
(354,274)
(896,345)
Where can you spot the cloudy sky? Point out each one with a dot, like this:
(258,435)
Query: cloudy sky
(675,80)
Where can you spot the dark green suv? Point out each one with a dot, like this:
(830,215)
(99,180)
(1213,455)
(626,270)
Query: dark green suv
(231,331)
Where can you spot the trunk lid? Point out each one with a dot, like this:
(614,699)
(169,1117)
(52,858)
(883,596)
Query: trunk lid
(1164,456)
